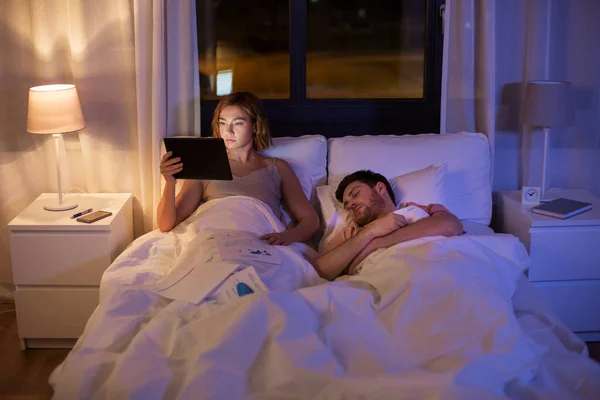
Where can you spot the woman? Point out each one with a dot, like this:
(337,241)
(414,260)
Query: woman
(240,121)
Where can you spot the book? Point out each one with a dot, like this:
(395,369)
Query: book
(562,208)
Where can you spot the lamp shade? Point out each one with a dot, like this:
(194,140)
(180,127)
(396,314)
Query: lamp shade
(546,103)
(54,109)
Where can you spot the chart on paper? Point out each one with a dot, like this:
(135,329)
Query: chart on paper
(241,245)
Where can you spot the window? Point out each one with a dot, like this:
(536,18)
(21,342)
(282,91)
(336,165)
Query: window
(365,49)
(244,45)
(333,67)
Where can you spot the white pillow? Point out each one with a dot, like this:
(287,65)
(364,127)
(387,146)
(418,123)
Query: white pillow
(467,186)
(307,155)
(424,186)
(333,216)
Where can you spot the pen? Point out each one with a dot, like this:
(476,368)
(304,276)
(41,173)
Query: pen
(79,214)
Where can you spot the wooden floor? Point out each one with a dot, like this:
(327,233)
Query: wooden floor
(24,374)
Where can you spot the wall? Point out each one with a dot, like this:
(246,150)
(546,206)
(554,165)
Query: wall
(86,43)
(23,157)
(521,33)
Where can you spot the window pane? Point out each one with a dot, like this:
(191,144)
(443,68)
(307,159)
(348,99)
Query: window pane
(243,45)
(365,48)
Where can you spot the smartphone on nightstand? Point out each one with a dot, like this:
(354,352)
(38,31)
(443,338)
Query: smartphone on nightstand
(93,217)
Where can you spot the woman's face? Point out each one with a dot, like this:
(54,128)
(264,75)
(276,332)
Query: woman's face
(236,128)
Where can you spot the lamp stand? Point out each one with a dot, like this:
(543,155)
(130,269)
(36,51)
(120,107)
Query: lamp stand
(60,206)
(544,197)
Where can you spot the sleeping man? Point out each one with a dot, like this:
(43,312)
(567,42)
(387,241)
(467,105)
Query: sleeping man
(377,223)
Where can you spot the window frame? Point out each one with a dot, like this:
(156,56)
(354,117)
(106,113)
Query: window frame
(299,115)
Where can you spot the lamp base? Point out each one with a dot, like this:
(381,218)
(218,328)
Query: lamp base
(547,197)
(56,206)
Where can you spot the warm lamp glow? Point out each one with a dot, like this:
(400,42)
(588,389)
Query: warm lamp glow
(51,88)
(54,109)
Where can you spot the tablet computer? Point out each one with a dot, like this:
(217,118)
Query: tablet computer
(202,157)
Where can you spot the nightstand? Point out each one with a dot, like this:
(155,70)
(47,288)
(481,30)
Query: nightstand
(57,264)
(565,256)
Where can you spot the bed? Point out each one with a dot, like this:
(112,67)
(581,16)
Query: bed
(445,318)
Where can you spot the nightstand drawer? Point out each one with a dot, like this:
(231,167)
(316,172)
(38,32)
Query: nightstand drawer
(54,313)
(59,258)
(575,303)
(569,253)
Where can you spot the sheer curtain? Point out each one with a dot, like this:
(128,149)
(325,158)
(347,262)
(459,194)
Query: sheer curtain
(168,87)
(492,48)
(468,80)
(135,67)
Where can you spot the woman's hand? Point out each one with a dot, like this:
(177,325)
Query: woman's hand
(284,238)
(170,166)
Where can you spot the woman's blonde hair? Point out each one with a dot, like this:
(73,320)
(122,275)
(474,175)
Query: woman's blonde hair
(252,105)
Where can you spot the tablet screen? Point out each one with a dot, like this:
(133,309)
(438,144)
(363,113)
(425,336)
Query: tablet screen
(202,157)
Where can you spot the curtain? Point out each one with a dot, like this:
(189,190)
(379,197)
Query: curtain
(135,67)
(168,87)
(491,49)
(22,156)
(468,77)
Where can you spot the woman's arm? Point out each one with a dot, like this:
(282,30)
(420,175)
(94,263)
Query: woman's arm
(171,209)
(301,209)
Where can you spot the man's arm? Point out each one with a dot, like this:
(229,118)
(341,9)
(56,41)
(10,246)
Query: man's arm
(440,223)
(332,263)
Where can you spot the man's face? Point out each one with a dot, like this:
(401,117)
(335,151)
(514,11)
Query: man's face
(363,202)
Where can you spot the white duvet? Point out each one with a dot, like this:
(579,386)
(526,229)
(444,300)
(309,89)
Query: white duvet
(431,318)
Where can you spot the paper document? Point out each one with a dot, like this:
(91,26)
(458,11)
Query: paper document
(243,246)
(238,285)
(195,283)
(198,270)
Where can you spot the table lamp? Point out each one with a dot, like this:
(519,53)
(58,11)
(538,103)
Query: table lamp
(54,110)
(546,105)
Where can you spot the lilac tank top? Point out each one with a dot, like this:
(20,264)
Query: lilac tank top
(263,184)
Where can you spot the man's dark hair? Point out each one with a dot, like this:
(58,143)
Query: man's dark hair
(367,177)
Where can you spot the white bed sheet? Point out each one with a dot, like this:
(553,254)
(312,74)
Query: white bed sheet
(475,228)
(564,361)
(429,318)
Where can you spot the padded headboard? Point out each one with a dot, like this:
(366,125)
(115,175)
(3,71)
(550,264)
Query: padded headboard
(467,184)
